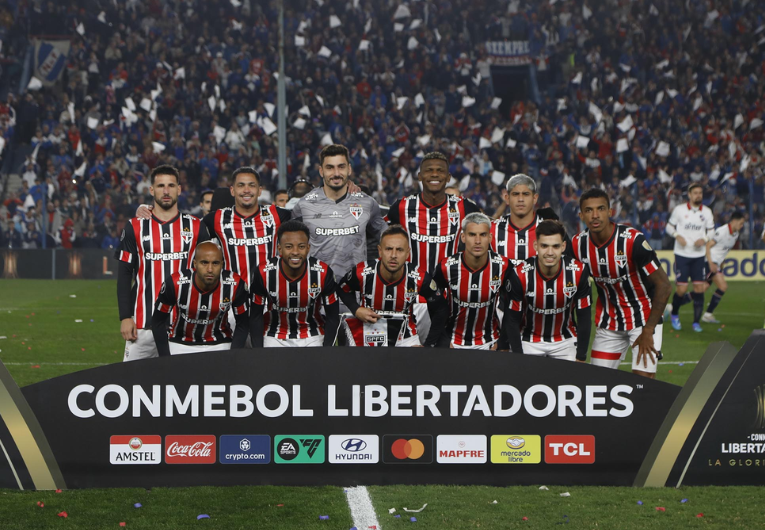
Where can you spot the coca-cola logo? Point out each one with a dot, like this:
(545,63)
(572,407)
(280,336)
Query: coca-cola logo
(190,449)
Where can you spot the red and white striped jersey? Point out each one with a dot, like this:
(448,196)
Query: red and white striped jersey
(246,241)
(384,297)
(202,317)
(433,230)
(620,268)
(549,303)
(294,307)
(157,249)
(473,297)
(516,244)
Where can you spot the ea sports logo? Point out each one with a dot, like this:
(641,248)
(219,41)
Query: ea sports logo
(288,449)
(407,449)
(515,442)
(135,443)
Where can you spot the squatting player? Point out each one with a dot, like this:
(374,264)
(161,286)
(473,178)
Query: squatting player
(717,249)
(391,284)
(433,220)
(692,225)
(150,250)
(204,296)
(295,287)
(548,289)
(632,287)
(472,281)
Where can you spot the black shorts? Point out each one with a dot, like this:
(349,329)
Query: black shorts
(693,268)
(710,274)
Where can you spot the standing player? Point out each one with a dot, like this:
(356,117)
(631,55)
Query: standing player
(150,250)
(473,282)
(632,287)
(433,220)
(717,249)
(203,296)
(337,219)
(295,288)
(548,290)
(513,236)
(390,285)
(205,201)
(692,225)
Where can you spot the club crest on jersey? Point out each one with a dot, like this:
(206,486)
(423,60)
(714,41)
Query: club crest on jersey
(494,284)
(410,295)
(187,235)
(454,216)
(569,289)
(314,290)
(224,305)
(266,218)
(621,259)
(356,211)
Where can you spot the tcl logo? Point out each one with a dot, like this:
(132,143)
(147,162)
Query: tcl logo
(190,449)
(571,449)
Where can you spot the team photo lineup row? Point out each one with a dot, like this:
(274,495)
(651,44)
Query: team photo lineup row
(280,277)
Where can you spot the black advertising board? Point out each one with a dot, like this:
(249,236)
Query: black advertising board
(346,416)
(57,264)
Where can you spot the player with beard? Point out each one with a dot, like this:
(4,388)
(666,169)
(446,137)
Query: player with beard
(552,292)
(433,220)
(149,251)
(632,287)
(390,285)
(204,296)
(295,287)
(339,220)
(513,235)
(473,281)
(692,225)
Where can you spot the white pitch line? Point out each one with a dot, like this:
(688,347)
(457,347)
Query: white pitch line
(362,511)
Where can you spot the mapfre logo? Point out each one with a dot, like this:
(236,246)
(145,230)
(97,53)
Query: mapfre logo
(569,449)
(190,449)
(461,449)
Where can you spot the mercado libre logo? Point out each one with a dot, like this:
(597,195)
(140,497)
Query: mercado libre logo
(516,449)
(408,449)
(299,449)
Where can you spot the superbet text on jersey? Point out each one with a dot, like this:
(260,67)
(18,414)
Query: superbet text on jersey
(156,250)
(247,241)
(549,302)
(619,268)
(294,306)
(473,298)
(433,230)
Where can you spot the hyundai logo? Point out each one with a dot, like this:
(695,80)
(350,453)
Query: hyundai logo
(354,445)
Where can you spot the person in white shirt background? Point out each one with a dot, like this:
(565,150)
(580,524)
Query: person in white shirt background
(717,249)
(692,225)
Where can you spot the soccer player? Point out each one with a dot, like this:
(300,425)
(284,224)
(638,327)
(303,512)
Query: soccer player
(150,250)
(692,225)
(246,231)
(717,249)
(433,220)
(339,220)
(548,289)
(204,296)
(280,198)
(205,202)
(632,287)
(513,235)
(295,287)
(473,281)
(391,284)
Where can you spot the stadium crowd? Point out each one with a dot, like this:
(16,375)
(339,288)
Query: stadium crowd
(639,97)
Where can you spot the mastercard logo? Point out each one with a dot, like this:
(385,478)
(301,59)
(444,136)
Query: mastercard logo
(407,449)
(515,442)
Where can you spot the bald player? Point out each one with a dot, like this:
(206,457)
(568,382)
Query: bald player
(204,296)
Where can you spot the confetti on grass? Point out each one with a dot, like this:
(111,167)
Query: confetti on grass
(138,505)
(413,519)
(640,503)
(41,504)
(661,509)
(684,501)
(544,488)
(63,514)
(324,518)
(202,516)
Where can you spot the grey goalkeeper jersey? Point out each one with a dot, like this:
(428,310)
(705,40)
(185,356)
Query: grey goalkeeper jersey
(339,229)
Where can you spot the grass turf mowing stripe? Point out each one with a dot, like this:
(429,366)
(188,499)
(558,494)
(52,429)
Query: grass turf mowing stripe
(362,510)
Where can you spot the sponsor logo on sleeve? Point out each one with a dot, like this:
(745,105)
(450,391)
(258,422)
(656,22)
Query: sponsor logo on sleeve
(516,449)
(354,449)
(245,449)
(461,449)
(135,449)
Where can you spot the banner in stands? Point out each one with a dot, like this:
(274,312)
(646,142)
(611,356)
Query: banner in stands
(50,59)
(332,416)
(740,265)
(509,53)
(58,264)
